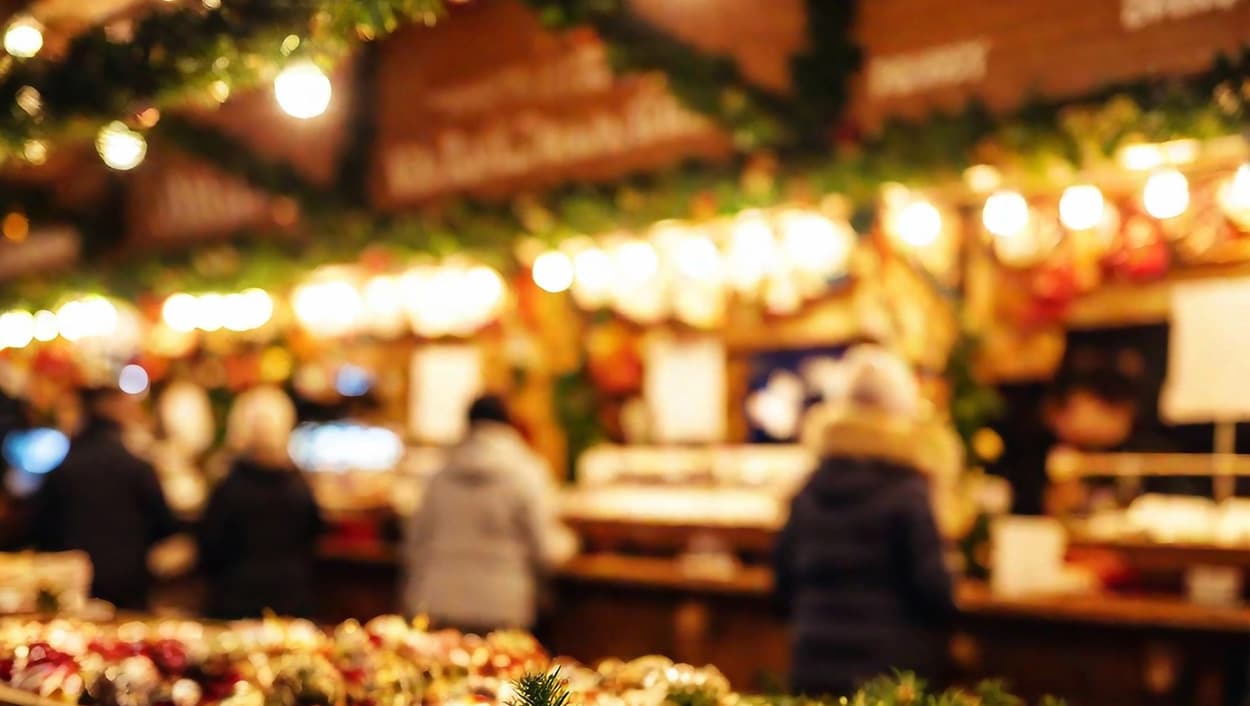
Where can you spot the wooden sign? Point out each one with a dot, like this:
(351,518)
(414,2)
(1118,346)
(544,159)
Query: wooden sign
(44,250)
(174,200)
(525,110)
(926,55)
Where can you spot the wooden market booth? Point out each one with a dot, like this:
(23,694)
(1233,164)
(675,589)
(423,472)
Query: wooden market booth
(533,109)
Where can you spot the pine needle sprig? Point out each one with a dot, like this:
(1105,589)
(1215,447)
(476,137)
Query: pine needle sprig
(536,689)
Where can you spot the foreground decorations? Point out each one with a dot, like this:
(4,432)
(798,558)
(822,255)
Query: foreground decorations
(384,663)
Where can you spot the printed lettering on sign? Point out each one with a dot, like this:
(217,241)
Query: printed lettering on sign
(1136,14)
(929,69)
(534,141)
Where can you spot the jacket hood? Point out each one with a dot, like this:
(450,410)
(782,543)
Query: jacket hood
(490,451)
(852,434)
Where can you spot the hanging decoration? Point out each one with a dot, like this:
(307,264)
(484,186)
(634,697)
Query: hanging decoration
(690,271)
(715,86)
(173,55)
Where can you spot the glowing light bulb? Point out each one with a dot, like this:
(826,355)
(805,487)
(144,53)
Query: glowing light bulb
(1234,196)
(120,147)
(482,293)
(814,243)
(45,326)
(636,261)
(553,272)
(697,258)
(919,224)
(17,329)
(1081,207)
(328,308)
(303,91)
(210,314)
(592,283)
(181,312)
(259,307)
(1006,214)
(384,305)
(73,320)
(752,251)
(133,380)
(23,38)
(1166,194)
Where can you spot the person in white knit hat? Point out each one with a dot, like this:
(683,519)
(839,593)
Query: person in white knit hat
(859,564)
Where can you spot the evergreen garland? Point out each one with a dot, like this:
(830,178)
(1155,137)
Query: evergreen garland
(176,53)
(715,86)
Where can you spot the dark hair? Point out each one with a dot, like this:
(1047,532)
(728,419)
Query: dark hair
(488,408)
(1112,376)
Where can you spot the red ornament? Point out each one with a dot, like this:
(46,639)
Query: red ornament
(1142,252)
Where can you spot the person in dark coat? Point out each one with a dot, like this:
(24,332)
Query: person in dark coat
(258,535)
(860,570)
(105,501)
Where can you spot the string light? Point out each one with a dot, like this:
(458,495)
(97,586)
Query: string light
(17,328)
(1235,194)
(23,38)
(553,272)
(120,147)
(303,91)
(752,251)
(1006,214)
(329,308)
(814,243)
(35,151)
(89,317)
(919,224)
(697,258)
(592,282)
(45,326)
(1081,207)
(181,312)
(1166,194)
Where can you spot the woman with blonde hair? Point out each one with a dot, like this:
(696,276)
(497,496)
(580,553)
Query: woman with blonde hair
(259,531)
(859,564)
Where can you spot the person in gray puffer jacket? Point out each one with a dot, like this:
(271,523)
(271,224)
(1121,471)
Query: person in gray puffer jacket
(486,532)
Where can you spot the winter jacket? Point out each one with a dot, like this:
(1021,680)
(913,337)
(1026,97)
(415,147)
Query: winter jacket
(257,541)
(486,532)
(105,501)
(859,565)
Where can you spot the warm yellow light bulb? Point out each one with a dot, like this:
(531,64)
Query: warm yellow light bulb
(1006,214)
(23,38)
(1166,194)
(553,272)
(303,91)
(1081,207)
(120,147)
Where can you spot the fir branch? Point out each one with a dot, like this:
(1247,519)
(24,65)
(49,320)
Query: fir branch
(175,54)
(534,689)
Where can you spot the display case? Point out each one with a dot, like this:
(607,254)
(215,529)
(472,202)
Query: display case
(671,500)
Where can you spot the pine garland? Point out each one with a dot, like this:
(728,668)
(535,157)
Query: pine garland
(174,54)
(715,86)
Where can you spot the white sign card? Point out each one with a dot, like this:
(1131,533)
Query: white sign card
(1209,353)
(1136,14)
(685,389)
(445,381)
